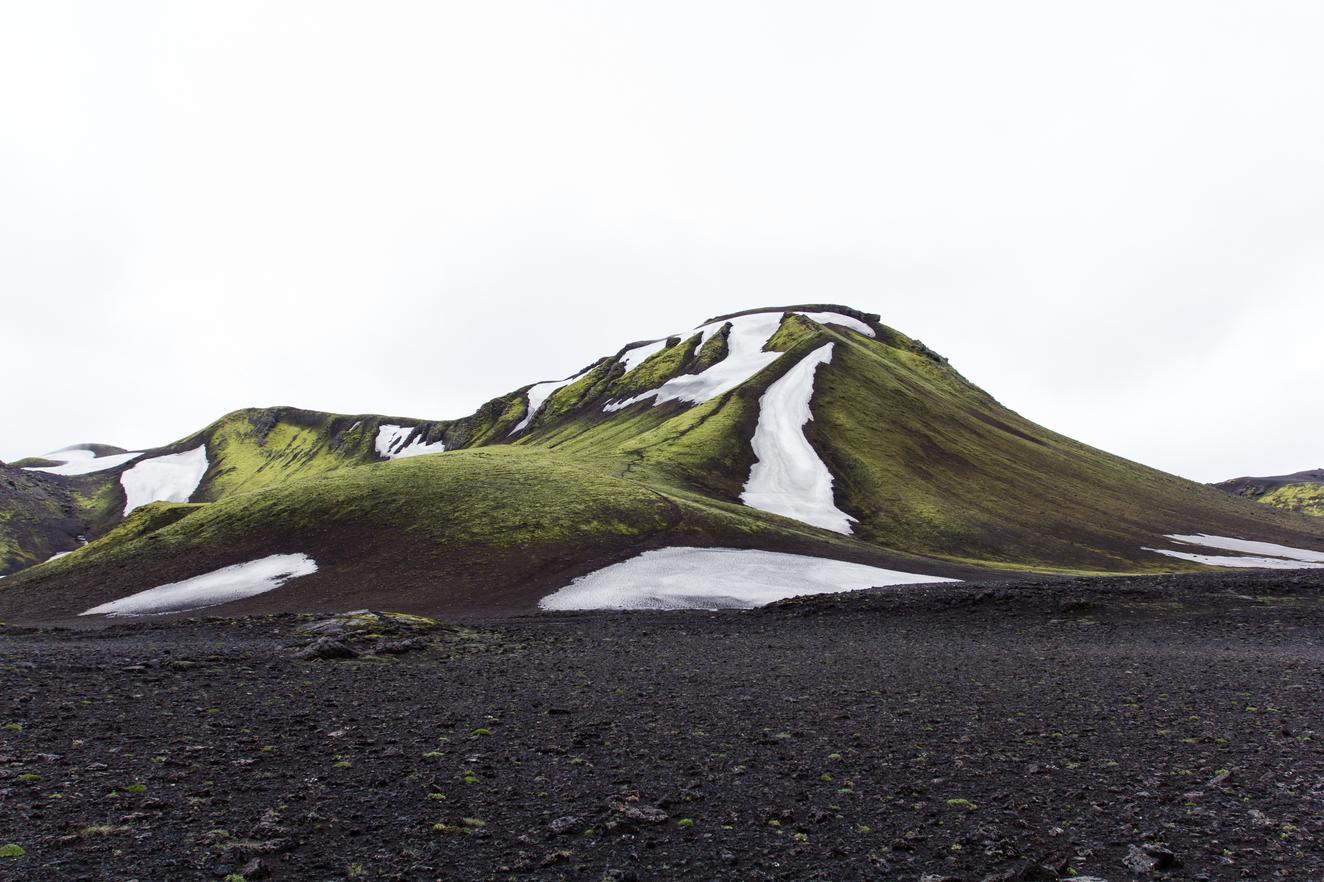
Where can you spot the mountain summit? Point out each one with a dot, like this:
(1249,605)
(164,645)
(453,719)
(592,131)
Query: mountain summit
(814,430)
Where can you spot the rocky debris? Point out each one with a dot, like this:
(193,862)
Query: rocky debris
(1149,858)
(255,869)
(888,741)
(632,811)
(566,824)
(399,646)
(1049,870)
(370,633)
(326,648)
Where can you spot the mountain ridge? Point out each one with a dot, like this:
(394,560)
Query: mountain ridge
(931,473)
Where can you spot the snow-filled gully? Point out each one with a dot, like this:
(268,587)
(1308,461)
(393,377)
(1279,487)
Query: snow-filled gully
(788,477)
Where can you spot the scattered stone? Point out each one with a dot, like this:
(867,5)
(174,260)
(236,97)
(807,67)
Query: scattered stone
(326,648)
(399,647)
(643,814)
(566,824)
(255,869)
(1149,857)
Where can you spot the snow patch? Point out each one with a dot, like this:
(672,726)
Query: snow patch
(1257,563)
(78,461)
(393,442)
(745,358)
(1250,547)
(632,358)
(1257,555)
(788,477)
(211,589)
(718,578)
(537,396)
(170,478)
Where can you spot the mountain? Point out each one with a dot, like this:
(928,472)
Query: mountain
(1302,491)
(814,430)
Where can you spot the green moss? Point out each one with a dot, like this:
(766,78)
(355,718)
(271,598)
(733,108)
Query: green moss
(1307,498)
(929,463)
(101,503)
(794,330)
(12,850)
(251,452)
(569,398)
(655,370)
(33,462)
(714,350)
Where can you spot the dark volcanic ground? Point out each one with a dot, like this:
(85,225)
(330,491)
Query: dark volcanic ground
(1108,728)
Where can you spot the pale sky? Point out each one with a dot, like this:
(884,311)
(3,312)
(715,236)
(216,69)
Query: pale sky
(1109,215)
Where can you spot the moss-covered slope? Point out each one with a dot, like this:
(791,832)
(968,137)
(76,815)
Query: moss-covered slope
(938,476)
(488,529)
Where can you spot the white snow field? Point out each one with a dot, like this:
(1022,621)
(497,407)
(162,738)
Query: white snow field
(211,589)
(788,477)
(538,395)
(392,443)
(745,358)
(169,478)
(81,461)
(1265,555)
(680,577)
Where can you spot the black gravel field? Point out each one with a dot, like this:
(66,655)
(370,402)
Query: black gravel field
(1127,728)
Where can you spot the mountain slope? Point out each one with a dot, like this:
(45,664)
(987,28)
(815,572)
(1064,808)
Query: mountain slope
(871,448)
(493,528)
(1302,491)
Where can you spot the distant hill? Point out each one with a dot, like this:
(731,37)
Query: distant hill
(1302,491)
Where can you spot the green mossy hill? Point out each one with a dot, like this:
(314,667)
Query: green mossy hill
(937,473)
(926,461)
(495,528)
(1300,492)
(258,448)
(930,463)
(1305,498)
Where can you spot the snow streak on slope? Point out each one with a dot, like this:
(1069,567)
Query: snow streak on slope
(788,477)
(211,589)
(1232,560)
(537,396)
(170,478)
(393,443)
(1276,557)
(718,578)
(632,358)
(1251,547)
(745,358)
(78,461)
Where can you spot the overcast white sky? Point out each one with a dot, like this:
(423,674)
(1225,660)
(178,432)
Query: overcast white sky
(1109,215)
